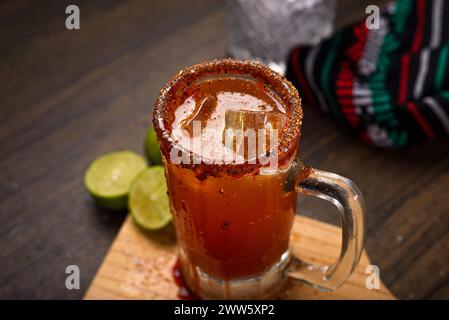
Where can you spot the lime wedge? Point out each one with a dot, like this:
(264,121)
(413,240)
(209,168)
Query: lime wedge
(152,149)
(148,199)
(109,178)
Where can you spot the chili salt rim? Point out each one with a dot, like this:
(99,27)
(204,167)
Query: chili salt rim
(175,91)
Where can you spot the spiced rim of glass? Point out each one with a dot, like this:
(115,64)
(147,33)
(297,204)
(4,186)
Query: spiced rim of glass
(176,91)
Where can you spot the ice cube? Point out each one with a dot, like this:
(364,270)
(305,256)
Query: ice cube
(203,111)
(244,119)
(244,128)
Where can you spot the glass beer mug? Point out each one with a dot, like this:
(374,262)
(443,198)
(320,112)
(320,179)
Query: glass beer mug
(229,133)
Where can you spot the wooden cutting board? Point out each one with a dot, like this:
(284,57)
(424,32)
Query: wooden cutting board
(139,265)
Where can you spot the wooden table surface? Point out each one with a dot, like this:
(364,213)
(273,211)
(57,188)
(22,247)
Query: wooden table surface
(67,96)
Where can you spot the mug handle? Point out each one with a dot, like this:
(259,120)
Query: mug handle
(348,199)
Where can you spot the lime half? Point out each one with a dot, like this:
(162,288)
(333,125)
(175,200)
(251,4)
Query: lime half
(109,177)
(148,199)
(152,149)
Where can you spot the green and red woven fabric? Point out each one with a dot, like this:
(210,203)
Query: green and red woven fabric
(391,84)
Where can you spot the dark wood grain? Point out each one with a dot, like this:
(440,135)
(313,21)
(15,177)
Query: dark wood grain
(69,96)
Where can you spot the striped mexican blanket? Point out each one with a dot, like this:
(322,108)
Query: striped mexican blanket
(390,84)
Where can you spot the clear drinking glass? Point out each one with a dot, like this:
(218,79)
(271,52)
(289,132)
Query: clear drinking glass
(233,220)
(267,30)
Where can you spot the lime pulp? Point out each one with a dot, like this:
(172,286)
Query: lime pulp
(148,200)
(109,177)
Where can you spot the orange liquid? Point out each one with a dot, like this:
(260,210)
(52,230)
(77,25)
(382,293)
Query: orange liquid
(230,227)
